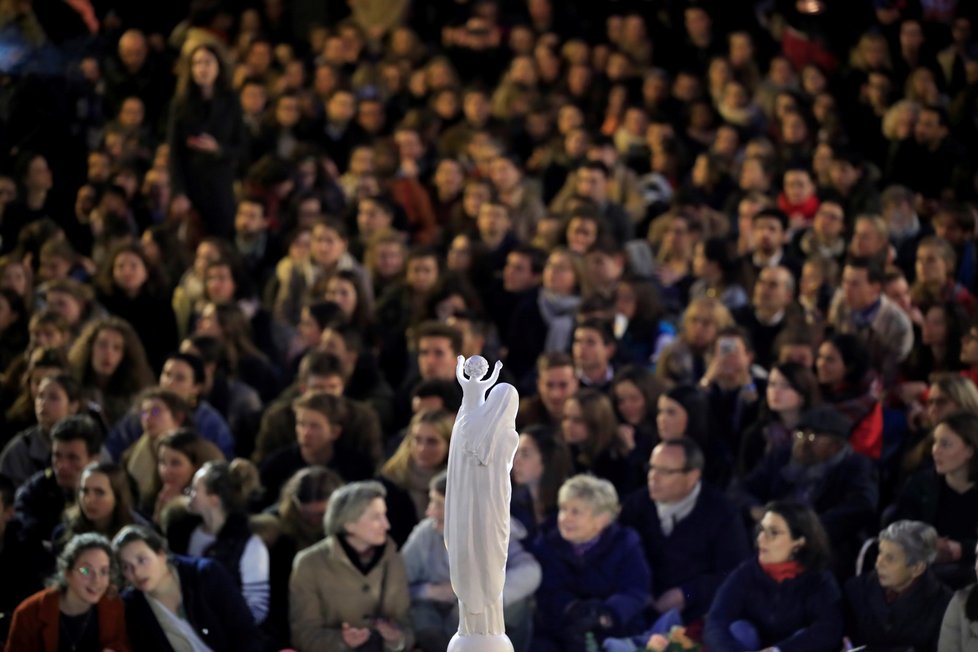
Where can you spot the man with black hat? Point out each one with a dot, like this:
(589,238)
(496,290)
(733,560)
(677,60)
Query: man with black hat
(820,470)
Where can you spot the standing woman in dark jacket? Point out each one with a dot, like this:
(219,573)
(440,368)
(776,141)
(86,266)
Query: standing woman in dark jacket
(786,597)
(206,135)
(178,602)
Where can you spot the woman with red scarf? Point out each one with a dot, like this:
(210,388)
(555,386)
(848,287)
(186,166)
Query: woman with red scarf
(786,597)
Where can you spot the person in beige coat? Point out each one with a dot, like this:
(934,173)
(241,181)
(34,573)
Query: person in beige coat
(350,590)
(959,631)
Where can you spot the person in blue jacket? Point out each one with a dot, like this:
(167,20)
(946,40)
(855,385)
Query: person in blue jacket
(594,575)
(785,599)
(180,603)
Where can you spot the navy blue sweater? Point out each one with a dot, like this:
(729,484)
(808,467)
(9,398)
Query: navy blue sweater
(803,614)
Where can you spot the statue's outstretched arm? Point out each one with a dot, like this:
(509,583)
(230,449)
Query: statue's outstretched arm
(495,374)
(459,374)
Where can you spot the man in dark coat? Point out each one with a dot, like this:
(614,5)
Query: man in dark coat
(691,533)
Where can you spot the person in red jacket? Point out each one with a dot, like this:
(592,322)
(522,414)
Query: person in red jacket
(82,606)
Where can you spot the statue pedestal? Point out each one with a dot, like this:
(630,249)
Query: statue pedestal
(480,643)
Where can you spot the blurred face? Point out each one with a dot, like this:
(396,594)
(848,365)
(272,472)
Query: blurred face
(107,351)
(630,402)
(518,273)
(699,328)
(15,278)
(314,433)
(558,274)
(781,396)
(156,418)
(493,222)
(327,246)
(892,569)
(436,510)
(671,418)
(371,218)
(866,240)
(219,284)
(436,359)
(69,459)
(931,267)
(798,186)
(422,274)
(767,235)
(88,579)
(589,350)
(204,68)
(829,366)
(578,523)
(951,453)
(249,218)
(572,425)
(341,292)
(829,221)
(449,178)
(175,468)
(178,377)
(129,272)
(774,542)
(555,386)
(96,498)
(51,404)
(142,567)
(370,530)
(858,291)
(429,449)
(810,447)
(669,480)
(390,260)
(581,234)
(528,463)
(772,291)
(934,328)
(969,347)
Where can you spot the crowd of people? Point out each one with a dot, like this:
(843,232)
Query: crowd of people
(726,252)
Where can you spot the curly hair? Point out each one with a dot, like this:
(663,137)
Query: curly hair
(133,373)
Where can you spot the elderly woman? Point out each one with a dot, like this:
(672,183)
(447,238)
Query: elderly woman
(350,590)
(786,597)
(901,603)
(61,617)
(595,577)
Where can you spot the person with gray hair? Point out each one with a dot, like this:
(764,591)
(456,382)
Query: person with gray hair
(901,603)
(350,591)
(595,577)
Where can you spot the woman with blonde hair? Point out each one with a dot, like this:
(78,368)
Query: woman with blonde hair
(701,322)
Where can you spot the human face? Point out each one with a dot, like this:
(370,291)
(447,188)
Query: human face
(772,289)
(371,218)
(370,530)
(589,350)
(107,352)
(774,542)
(315,434)
(206,254)
(934,328)
(422,274)
(555,386)
(951,453)
(898,291)
(15,278)
(69,459)
(51,404)
(528,463)
(767,234)
(630,402)
(429,449)
(47,336)
(493,222)
(572,425)
(327,246)
(390,260)
(343,293)
(857,289)
(204,68)
(142,567)
(699,328)
(96,498)
(175,468)
(892,569)
(798,186)
(156,418)
(829,366)
(436,359)
(829,221)
(866,240)
(581,235)
(578,523)
(436,510)
(931,266)
(809,447)
(671,418)
(939,405)
(969,347)
(219,284)
(781,396)
(89,578)
(558,275)
(201,500)
(669,479)
(249,219)
(178,377)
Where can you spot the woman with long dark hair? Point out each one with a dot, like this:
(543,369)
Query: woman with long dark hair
(845,378)
(541,465)
(206,134)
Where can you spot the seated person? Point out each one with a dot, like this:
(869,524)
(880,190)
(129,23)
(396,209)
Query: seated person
(901,603)
(329,608)
(104,505)
(947,498)
(785,597)
(434,607)
(595,577)
(692,534)
(180,603)
(960,620)
(86,570)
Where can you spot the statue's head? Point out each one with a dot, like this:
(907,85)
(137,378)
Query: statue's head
(504,402)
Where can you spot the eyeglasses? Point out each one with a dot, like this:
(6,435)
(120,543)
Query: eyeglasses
(659,470)
(806,435)
(87,572)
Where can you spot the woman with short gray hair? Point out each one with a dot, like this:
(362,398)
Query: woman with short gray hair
(595,576)
(349,591)
(901,603)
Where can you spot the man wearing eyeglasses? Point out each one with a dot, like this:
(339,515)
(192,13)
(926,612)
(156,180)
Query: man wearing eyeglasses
(820,470)
(692,535)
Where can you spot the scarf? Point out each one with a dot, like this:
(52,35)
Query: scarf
(786,570)
(671,513)
(806,209)
(558,313)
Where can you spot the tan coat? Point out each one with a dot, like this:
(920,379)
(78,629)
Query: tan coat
(326,590)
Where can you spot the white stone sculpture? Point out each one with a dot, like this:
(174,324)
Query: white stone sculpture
(480,459)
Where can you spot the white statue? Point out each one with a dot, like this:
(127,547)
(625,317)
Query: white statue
(480,459)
